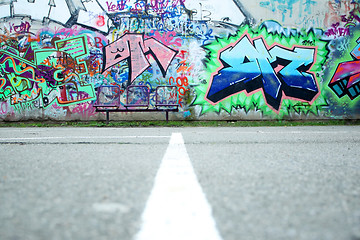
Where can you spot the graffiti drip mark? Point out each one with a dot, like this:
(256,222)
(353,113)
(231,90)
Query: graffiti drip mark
(135,49)
(346,79)
(251,65)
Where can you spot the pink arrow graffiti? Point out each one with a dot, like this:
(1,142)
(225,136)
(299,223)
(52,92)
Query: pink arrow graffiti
(133,48)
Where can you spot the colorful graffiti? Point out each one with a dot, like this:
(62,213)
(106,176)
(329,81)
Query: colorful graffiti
(277,71)
(277,66)
(134,49)
(50,75)
(346,79)
(285,60)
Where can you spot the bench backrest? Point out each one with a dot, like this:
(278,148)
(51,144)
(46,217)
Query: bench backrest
(108,96)
(166,96)
(137,96)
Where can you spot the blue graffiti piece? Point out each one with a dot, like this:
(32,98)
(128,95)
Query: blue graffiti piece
(271,82)
(230,77)
(251,67)
(239,68)
(294,72)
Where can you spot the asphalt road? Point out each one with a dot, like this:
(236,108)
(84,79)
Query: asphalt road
(261,183)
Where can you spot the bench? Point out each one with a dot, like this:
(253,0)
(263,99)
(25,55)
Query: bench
(137,100)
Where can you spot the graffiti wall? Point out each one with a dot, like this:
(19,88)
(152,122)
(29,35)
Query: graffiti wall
(230,59)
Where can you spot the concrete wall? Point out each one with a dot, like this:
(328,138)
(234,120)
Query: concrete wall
(230,59)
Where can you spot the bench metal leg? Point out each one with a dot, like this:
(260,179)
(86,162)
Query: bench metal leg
(167,116)
(107,117)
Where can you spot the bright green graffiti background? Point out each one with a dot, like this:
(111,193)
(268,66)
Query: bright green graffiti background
(256,101)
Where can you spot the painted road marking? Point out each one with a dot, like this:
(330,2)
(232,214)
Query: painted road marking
(177,208)
(110,207)
(81,137)
(281,132)
(302,132)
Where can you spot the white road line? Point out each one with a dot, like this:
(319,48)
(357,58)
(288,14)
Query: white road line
(177,208)
(303,132)
(81,137)
(281,132)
